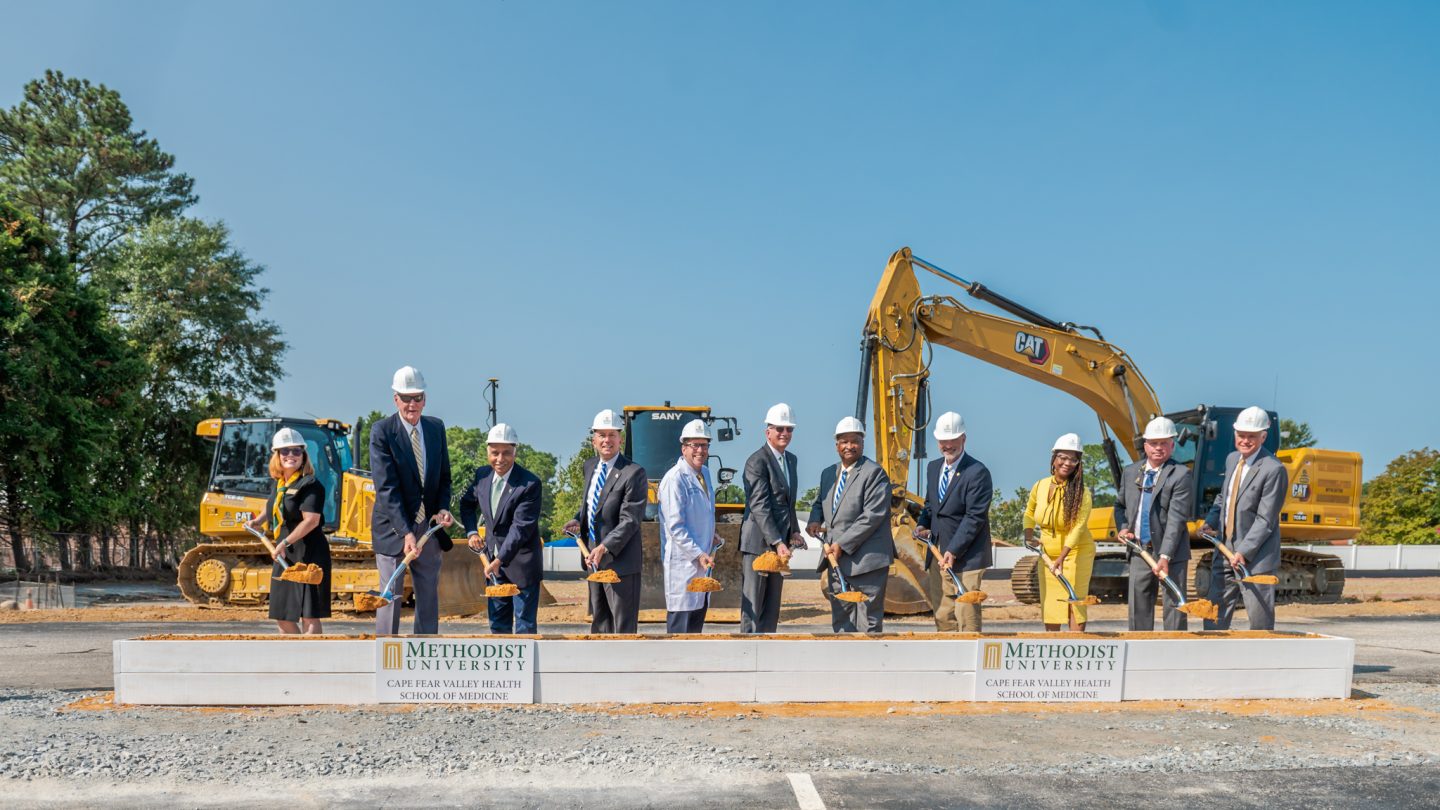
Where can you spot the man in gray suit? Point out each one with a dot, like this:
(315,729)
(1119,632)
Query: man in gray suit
(616,491)
(1151,511)
(770,523)
(1246,514)
(852,511)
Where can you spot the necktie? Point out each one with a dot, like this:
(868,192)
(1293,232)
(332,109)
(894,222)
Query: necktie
(1231,501)
(701,478)
(495,490)
(420,468)
(1145,497)
(595,498)
(839,489)
(944,484)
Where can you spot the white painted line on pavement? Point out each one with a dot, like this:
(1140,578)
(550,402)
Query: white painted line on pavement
(805,792)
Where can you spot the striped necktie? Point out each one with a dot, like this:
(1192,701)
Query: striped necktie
(595,498)
(420,468)
(839,490)
(944,484)
(1146,494)
(1232,501)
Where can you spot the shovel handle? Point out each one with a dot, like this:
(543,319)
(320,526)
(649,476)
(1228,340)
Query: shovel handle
(485,561)
(931,547)
(1229,555)
(584,551)
(270,547)
(1047,562)
(1150,561)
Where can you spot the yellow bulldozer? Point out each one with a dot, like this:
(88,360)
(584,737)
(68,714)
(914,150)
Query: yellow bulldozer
(903,328)
(231,568)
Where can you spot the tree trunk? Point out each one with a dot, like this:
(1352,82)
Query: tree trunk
(17,544)
(62,549)
(135,539)
(106,561)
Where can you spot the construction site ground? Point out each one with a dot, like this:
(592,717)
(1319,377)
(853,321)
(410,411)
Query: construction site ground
(66,744)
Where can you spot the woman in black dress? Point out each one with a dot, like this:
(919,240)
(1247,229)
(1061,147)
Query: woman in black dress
(293,515)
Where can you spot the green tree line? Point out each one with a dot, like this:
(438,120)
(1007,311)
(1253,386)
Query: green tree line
(123,323)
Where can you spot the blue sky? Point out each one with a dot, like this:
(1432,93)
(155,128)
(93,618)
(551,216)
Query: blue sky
(620,203)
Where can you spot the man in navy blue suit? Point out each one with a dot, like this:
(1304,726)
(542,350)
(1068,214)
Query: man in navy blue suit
(410,463)
(507,496)
(958,493)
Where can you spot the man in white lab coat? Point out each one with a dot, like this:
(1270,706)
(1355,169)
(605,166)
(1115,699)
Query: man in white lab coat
(687,530)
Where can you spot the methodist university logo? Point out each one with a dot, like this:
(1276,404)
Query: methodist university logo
(992,654)
(394,655)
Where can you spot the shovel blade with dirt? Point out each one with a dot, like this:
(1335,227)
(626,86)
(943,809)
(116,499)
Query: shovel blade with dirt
(378,599)
(1199,608)
(303,573)
(961,593)
(707,583)
(845,594)
(604,576)
(494,588)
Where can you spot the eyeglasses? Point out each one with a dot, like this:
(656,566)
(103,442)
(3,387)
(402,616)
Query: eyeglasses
(411,397)
(291,451)
(698,445)
(781,429)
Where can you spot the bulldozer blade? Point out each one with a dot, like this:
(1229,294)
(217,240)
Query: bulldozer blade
(462,585)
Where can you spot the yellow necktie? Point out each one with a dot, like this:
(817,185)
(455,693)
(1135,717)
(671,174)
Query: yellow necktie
(1233,499)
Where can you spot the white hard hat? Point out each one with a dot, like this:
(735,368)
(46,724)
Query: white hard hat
(850,425)
(950,425)
(1253,420)
(780,415)
(408,380)
(287,437)
(695,429)
(607,420)
(1070,442)
(1160,428)
(502,434)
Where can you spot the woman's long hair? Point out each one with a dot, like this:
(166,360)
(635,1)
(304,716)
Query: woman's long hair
(1074,488)
(278,472)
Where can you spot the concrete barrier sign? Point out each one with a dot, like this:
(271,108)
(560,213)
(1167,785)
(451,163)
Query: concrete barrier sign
(456,670)
(1038,670)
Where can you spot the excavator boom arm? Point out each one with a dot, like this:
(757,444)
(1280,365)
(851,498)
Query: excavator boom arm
(903,325)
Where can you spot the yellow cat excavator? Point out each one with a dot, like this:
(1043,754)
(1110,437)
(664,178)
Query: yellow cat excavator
(231,568)
(897,346)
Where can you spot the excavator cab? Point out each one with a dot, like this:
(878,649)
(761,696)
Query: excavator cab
(1207,435)
(240,477)
(652,440)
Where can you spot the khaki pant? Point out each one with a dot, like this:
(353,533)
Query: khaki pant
(951,615)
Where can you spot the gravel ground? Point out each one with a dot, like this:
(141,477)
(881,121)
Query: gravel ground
(247,746)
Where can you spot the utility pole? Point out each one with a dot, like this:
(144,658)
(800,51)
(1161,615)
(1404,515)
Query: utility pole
(492,396)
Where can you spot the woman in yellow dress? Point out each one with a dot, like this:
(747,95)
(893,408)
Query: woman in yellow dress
(1059,507)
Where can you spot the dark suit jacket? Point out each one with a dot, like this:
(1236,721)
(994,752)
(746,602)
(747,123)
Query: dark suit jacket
(622,507)
(769,503)
(860,523)
(512,534)
(1169,508)
(398,489)
(961,524)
